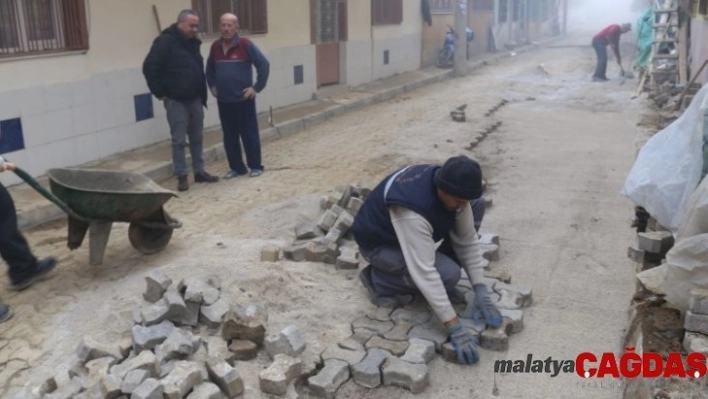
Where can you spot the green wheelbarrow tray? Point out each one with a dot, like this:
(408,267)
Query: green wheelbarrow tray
(95,199)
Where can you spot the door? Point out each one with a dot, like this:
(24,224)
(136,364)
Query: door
(326,19)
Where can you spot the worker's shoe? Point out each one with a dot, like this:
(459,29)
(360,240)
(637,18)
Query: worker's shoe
(182,183)
(5,313)
(377,299)
(41,269)
(204,177)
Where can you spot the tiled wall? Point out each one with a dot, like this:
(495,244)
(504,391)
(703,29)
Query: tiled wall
(74,123)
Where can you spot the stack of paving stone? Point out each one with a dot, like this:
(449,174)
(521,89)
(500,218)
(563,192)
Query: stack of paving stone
(185,342)
(650,247)
(327,239)
(696,323)
(394,346)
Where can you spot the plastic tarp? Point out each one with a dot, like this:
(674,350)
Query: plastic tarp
(686,264)
(668,167)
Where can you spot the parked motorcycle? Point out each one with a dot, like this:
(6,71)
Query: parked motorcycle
(446,55)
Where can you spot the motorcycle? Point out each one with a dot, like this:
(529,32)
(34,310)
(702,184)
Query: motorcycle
(446,55)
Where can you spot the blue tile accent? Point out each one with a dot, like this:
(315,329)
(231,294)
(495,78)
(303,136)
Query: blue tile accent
(385,57)
(11,137)
(143,107)
(299,72)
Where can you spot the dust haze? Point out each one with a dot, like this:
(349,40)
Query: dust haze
(593,15)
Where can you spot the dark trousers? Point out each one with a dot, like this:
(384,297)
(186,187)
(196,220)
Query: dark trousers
(13,246)
(239,123)
(389,271)
(601,51)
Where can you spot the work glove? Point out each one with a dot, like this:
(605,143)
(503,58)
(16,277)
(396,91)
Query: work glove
(464,343)
(483,308)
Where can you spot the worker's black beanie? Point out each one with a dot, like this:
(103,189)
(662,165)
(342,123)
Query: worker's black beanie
(460,177)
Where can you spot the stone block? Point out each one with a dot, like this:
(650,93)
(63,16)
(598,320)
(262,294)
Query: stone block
(433,331)
(247,323)
(699,301)
(92,392)
(217,348)
(296,252)
(490,252)
(354,205)
(196,290)
(380,327)
(513,296)
(362,335)
(149,389)
(225,377)
(419,351)
(146,360)
(211,315)
(170,307)
(400,331)
(335,352)
(496,339)
(150,337)
(157,284)
(329,379)
(305,231)
(330,200)
(413,377)
(243,349)
(344,222)
(348,258)
(489,239)
(656,242)
(333,235)
(398,348)
(336,209)
(515,317)
(380,314)
(275,379)
(90,349)
(110,386)
(98,368)
(696,323)
(346,196)
(178,345)
(488,202)
(367,373)
(183,378)
(133,380)
(270,253)
(206,390)
(321,252)
(635,254)
(327,220)
(695,342)
(125,344)
(288,342)
(352,344)
(415,317)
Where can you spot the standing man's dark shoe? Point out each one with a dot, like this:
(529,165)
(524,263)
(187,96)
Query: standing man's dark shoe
(182,183)
(40,271)
(204,177)
(5,313)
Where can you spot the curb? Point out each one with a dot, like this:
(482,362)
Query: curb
(163,170)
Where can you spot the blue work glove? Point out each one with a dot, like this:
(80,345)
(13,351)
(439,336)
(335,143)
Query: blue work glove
(464,343)
(483,308)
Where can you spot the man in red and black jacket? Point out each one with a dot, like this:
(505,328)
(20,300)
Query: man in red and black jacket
(229,74)
(608,36)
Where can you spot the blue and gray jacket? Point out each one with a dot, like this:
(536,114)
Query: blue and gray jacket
(232,72)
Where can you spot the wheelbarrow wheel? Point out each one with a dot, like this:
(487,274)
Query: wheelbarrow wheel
(147,240)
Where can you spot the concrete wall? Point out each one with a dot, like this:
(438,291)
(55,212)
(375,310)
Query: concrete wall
(78,107)
(364,52)
(699,47)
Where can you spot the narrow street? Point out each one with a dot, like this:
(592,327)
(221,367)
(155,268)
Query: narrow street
(554,170)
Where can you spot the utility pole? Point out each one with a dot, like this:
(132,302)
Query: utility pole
(565,17)
(460,59)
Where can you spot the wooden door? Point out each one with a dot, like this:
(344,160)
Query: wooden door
(326,33)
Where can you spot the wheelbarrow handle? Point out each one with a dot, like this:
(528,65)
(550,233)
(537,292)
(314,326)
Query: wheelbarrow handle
(45,193)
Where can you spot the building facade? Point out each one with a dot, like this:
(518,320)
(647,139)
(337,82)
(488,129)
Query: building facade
(73,90)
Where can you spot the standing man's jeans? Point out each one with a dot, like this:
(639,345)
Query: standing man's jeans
(390,275)
(601,51)
(186,118)
(239,122)
(13,246)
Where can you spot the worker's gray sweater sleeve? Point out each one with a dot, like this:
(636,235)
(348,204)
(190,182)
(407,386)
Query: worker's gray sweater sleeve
(415,235)
(466,245)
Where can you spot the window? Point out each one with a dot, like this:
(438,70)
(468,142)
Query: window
(40,26)
(252,14)
(502,11)
(702,7)
(483,5)
(386,12)
(442,6)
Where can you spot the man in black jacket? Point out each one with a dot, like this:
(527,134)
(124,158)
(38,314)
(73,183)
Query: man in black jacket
(174,70)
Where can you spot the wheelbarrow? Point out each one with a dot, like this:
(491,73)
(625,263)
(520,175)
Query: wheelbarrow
(95,199)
